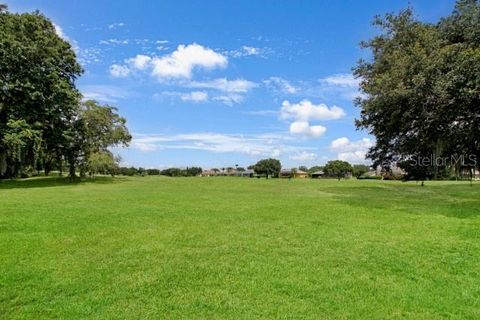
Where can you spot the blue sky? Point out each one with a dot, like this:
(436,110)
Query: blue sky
(219,83)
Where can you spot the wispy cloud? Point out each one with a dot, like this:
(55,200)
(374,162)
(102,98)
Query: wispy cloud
(195,96)
(247,51)
(260,145)
(104,93)
(116,25)
(225,85)
(278,84)
(114,41)
(304,156)
(342,85)
(262,112)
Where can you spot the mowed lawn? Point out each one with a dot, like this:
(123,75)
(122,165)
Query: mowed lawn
(239,248)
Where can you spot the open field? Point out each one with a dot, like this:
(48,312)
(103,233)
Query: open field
(232,248)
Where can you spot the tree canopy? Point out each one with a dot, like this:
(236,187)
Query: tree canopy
(268,167)
(421,89)
(43,122)
(338,168)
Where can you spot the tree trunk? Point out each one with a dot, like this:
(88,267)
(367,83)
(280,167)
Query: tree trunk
(71,173)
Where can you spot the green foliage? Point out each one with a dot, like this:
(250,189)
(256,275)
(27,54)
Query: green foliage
(102,128)
(315,168)
(193,171)
(177,172)
(359,169)
(268,167)
(103,162)
(153,172)
(132,171)
(42,121)
(338,168)
(421,88)
(37,74)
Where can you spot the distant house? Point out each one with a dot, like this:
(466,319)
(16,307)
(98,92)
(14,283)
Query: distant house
(246,174)
(287,173)
(317,174)
(301,174)
(209,173)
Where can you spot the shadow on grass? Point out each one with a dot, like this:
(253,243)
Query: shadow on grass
(46,182)
(459,200)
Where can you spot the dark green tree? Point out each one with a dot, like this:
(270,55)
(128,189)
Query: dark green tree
(98,128)
(421,88)
(268,167)
(359,169)
(338,168)
(38,70)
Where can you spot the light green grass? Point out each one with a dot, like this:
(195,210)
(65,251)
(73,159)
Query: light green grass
(233,248)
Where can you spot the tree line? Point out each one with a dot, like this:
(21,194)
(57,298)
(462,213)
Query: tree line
(268,168)
(45,124)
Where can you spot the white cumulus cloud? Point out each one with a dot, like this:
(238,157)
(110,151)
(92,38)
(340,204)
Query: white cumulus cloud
(181,62)
(140,61)
(305,110)
(304,128)
(177,65)
(351,151)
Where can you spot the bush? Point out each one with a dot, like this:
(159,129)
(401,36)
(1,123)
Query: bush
(365,177)
(153,172)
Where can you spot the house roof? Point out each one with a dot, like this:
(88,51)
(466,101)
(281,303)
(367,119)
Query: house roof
(318,172)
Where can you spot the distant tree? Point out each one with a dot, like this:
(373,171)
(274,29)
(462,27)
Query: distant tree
(173,172)
(153,172)
(142,171)
(315,168)
(251,167)
(240,169)
(132,171)
(359,169)
(103,128)
(338,168)
(293,173)
(303,168)
(268,167)
(3,7)
(103,162)
(193,171)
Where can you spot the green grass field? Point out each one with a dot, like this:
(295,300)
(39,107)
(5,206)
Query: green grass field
(233,248)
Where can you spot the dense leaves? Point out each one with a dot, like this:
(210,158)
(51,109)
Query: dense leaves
(338,168)
(422,89)
(43,123)
(268,167)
